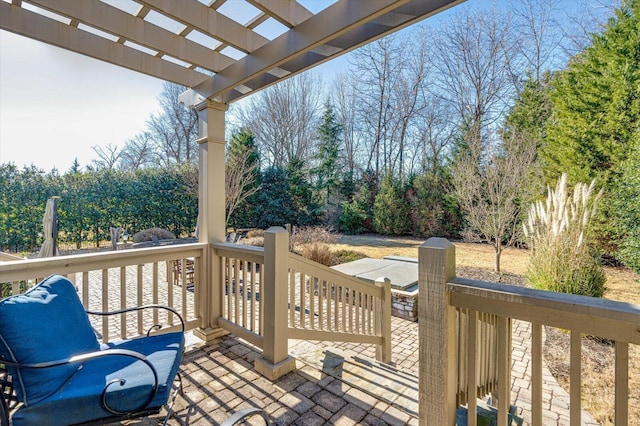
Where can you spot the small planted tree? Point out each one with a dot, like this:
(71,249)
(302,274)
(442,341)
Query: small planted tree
(561,258)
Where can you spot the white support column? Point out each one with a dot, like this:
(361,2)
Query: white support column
(275,361)
(211,211)
(436,333)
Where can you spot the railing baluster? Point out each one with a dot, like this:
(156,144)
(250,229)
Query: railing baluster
(123,301)
(261,300)
(336,308)
(85,289)
(343,301)
(472,385)
(312,302)
(155,291)
(252,323)
(183,289)
(236,289)
(139,285)
(229,287)
(105,305)
(504,369)
(622,383)
(245,296)
(575,407)
(536,374)
(320,303)
(170,290)
(292,297)
(303,297)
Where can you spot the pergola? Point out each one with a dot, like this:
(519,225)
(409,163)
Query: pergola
(203,45)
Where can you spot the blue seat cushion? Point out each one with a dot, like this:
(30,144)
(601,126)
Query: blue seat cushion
(79,400)
(46,323)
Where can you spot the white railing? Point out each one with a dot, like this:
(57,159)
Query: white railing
(111,281)
(325,304)
(580,315)
(269,295)
(242,272)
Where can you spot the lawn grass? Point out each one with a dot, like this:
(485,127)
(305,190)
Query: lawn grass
(598,374)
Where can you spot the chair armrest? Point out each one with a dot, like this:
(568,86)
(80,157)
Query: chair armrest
(139,308)
(243,415)
(82,358)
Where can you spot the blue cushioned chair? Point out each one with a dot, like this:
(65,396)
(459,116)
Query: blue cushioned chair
(57,373)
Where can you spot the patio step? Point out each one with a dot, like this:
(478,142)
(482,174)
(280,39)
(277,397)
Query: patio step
(382,381)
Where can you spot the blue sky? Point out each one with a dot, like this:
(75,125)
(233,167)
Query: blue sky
(55,104)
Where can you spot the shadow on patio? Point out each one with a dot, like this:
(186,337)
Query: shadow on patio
(219,379)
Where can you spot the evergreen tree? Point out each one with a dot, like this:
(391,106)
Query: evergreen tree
(327,171)
(273,201)
(300,190)
(390,209)
(626,207)
(596,108)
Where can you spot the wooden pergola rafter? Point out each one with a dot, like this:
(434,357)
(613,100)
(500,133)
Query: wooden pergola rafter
(201,45)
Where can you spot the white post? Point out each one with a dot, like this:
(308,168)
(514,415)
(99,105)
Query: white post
(211,212)
(436,333)
(275,361)
(383,321)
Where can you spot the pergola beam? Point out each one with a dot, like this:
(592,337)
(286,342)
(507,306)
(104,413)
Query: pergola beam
(332,22)
(380,22)
(21,21)
(114,21)
(208,21)
(288,12)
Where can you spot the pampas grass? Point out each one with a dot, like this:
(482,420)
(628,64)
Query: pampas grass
(561,258)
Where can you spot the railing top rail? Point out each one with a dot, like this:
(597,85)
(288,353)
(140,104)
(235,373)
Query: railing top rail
(36,268)
(239,248)
(332,275)
(602,317)
(4,257)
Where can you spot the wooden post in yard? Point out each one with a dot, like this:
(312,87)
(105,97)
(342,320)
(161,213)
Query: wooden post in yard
(436,334)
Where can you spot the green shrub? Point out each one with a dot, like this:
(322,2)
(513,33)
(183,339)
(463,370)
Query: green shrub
(625,201)
(390,209)
(354,217)
(561,258)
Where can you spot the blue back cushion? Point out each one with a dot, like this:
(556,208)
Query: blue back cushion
(46,323)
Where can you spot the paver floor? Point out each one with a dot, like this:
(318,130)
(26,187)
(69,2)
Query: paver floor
(335,384)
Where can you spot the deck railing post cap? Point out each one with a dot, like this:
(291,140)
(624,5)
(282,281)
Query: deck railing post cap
(275,230)
(437,242)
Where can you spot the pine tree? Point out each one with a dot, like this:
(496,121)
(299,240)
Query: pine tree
(596,108)
(327,172)
(596,104)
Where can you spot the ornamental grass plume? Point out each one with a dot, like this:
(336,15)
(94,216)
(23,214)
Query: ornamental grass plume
(561,258)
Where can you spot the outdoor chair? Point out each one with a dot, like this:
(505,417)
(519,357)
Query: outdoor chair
(54,371)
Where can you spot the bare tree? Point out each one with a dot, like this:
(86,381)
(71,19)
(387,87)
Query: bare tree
(138,152)
(540,33)
(473,54)
(344,96)
(108,157)
(374,68)
(239,181)
(491,192)
(174,130)
(283,119)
